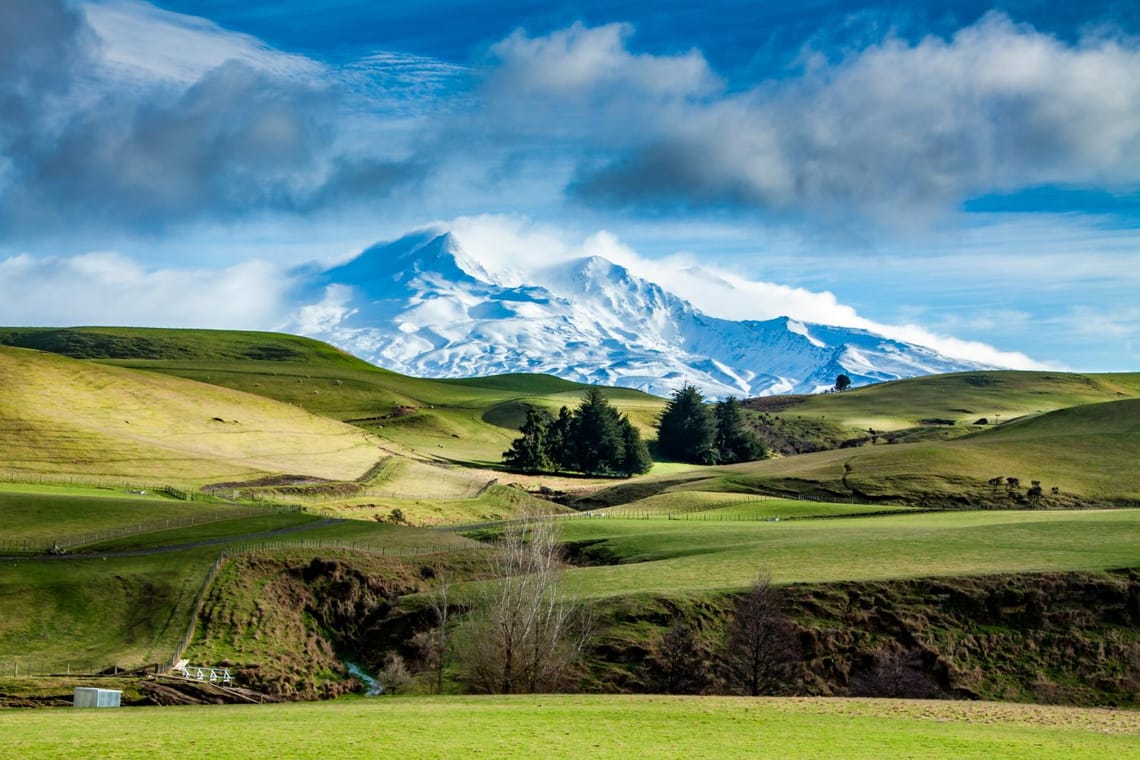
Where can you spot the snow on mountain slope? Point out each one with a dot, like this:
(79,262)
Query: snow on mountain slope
(422,306)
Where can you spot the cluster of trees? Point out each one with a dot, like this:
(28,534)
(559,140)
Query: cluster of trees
(1033,494)
(594,439)
(689,430)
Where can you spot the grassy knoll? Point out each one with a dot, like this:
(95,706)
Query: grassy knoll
(474,419)
(678,556)
(61,416)
(574,727)
(494,503)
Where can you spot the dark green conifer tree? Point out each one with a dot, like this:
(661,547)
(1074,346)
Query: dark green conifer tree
(561,447)
(596,435)
(530,452)
(637,459)
(685,430)
(734,442)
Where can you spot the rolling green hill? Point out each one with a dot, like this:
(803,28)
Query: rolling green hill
(1086,452)
(287,419)
(469,421)
(64,417)
(959,398)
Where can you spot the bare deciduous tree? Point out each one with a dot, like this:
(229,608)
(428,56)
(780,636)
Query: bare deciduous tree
(896,673)
(760,647)
(523,633)
(679,664)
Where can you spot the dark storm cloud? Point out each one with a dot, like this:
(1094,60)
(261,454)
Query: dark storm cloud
(238,140)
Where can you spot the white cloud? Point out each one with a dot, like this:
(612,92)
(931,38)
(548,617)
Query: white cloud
(898,131)
(111,289)
(584,60)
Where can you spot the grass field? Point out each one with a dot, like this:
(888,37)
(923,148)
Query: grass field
(725,505)
(679,556)
(576,727)
(96,612)
(1085,452)
(474,419)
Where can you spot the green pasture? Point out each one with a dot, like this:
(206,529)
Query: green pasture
(787,509)
(42,513)
(1087,452)
(270,520)
(88,613)
(494,503)
(559,726)
(665,556)
(475,419)
(725,505)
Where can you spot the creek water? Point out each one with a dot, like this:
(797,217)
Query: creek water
(372,687)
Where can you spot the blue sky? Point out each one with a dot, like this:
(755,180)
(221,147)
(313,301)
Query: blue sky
(962,174)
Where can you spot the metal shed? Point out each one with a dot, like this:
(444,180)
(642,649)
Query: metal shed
(89,697)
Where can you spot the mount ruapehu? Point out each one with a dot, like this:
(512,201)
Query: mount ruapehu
(424,306)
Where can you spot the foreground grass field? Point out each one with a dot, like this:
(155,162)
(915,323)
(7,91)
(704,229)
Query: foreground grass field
(553,726)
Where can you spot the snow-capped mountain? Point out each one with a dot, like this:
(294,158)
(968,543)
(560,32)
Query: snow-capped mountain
(422,306)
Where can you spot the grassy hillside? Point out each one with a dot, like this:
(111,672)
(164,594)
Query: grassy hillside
(61,416)
(39,514)
(130,601)
(575,726)
(1086,452)
(467,421)
(961,398)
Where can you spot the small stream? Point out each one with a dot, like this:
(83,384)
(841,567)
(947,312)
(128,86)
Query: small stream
(372,687)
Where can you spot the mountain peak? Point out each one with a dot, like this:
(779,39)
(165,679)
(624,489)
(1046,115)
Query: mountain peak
(423,306)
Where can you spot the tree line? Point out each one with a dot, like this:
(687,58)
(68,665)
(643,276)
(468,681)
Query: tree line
(690,430)
(596,439)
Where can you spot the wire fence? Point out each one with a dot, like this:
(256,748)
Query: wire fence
(62,544)
(93,481)
(42,668)
(192,626)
